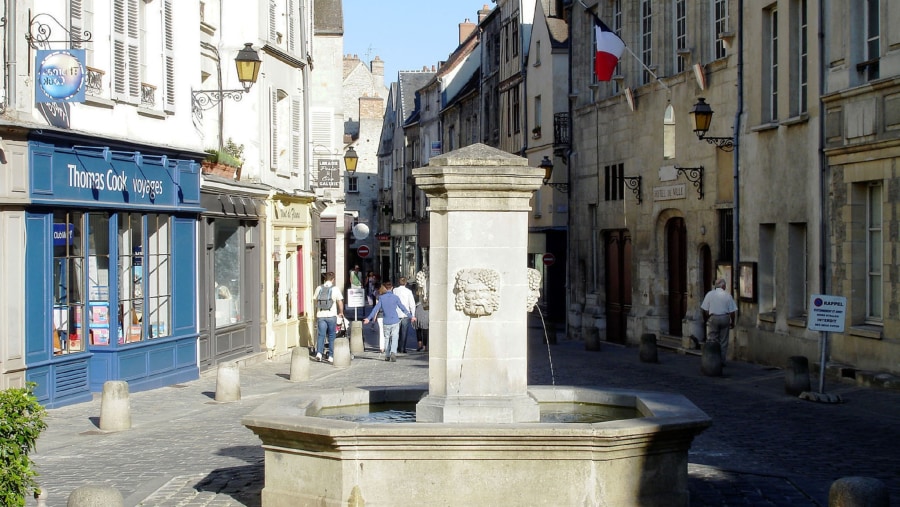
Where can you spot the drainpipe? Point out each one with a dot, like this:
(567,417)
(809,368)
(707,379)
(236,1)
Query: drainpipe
(737,145)
(9,56)
(823,161)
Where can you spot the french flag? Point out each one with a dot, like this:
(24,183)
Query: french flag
(609,49)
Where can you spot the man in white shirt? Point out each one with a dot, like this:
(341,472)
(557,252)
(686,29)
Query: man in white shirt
(409,301)
(328,308)
(719,311)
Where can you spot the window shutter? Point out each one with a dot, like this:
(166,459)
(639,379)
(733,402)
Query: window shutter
(296,137)
(272,31)
(321,136)
(168,56)
(273,129)
(291,31)
(76,23)
(119,67)
(134,54)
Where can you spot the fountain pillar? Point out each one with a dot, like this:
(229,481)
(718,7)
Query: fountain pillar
(479,206)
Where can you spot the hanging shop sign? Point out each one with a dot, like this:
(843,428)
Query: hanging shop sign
(60,76)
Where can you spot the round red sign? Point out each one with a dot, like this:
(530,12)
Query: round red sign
(363,251)
(549,259)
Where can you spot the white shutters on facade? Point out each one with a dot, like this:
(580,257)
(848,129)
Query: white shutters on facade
(296,135)
(126,51)
(273,129)
(168,97)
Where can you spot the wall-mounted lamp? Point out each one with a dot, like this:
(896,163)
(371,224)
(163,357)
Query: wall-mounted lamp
(547,165)
(350,160)
(701,117)
(248,63)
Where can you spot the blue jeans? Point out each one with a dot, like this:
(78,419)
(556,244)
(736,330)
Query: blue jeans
(404,334)
(391,333)
(329,325)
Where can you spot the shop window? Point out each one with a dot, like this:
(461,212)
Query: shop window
(68,280)
(98,279)
(227,270)
(145,292)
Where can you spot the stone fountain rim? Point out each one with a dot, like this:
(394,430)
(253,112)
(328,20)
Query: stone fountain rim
(659,412)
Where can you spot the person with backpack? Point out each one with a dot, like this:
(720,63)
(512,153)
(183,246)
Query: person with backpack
(391,304)
(329,305)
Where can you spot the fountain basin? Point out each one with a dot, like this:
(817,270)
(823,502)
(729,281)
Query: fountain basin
(641,461)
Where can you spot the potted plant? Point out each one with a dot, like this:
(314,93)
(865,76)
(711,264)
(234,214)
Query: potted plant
(226,162)
(21,423)
(536,132)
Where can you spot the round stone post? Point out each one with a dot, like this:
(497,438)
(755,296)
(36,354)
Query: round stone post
(648,352)
(115,406)
(228,382)
(299,364)
(858,492)
(796,376)
(341,352)
(92,496)
(711,359)
(356,338)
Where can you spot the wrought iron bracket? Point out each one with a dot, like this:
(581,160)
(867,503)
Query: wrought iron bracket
(560,187)
(633,183)
(201,100)
(40,32)
(722,143)
(695,176)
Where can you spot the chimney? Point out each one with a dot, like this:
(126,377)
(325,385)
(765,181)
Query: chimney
(377,66)
(483,13)
(465,30)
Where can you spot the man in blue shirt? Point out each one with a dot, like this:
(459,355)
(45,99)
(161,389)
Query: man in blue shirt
(390,304)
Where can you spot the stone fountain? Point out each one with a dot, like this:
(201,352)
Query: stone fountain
(477,439)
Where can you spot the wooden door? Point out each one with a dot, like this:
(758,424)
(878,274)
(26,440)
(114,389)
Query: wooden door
(618,284)
(676,251)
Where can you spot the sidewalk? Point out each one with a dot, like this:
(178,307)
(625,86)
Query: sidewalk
(764,447)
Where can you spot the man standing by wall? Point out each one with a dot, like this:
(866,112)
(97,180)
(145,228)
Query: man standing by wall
(719,311)
(409,301)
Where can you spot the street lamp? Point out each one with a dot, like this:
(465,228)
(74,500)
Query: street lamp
(350,160)
(701,116)
(547,165)
(247,63)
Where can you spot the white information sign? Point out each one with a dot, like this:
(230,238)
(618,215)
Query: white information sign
(827,313)
(356,298)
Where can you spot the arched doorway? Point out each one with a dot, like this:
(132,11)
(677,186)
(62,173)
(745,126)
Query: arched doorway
(676,251)
(618,284)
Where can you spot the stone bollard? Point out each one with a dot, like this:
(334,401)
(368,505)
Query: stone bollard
(858,492)
(299,364)
(115,407)
(93,496)
(648,351)
(341,352)
(356,338)
(796,377)
(711,359)
(228,382)
(591,336)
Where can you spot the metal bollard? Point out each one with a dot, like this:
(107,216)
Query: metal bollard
(115,407)
(228,382)
(299,364)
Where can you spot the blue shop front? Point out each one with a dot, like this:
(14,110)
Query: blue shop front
(111,260)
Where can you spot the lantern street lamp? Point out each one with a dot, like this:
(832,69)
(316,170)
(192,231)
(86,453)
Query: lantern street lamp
(547,165)
(350,160)
(247,63)
(701,117)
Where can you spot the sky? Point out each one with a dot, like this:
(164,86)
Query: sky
(406,34)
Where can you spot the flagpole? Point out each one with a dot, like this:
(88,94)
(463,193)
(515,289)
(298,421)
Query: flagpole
(588,10)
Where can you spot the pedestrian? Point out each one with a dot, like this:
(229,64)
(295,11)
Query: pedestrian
(719,311)
(390,303)
(371,289)
(409,301)
(422,325)
(329,305)
(356,277)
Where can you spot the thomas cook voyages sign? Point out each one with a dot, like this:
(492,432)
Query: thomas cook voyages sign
(60,76)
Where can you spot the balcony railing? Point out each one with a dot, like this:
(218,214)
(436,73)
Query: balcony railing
(148,95)
(93,83)
(561,130)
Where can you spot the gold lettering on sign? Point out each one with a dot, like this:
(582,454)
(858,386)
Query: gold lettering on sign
(669,192)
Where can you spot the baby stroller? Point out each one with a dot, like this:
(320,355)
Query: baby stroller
(343,328)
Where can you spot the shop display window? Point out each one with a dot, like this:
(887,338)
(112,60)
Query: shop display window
(145,293)
(228,269)
(68,279)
